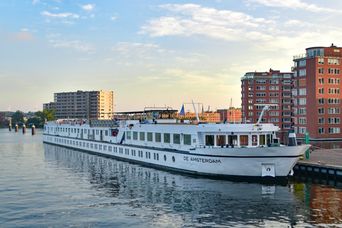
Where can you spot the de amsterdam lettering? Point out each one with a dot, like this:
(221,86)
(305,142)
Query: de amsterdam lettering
(202,160)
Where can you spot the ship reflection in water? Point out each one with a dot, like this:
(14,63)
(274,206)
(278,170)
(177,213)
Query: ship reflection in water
(158,198)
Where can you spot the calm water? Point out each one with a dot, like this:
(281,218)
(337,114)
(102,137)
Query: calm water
(44,185)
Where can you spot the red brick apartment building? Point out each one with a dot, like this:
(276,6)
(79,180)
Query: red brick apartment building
(272,87)
(317,93)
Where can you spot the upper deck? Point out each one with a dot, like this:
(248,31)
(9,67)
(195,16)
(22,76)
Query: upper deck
(170,135)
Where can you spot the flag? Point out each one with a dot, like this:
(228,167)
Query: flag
(182,112)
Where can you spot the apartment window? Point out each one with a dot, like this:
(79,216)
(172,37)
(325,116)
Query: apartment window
(320,130)
(302,91)
(176,138)
(274,87)
(274,81)
(302,72)
(333,101)
(302,101)
(333,110)
(321,81)
(320,60)
(321,90)
(260,101)
(274,100)
(302,130)
(334,130)
(142,136)
(321,120)
(334,91)
(302,120)
(260,81)
(261,94)
(321,101)
(166,137)
(334,61)
(321,70)
(302,63)
(320,110)
(157,137)
(187,139)
(334,120)
(149,136)
(302,111)
(261,87)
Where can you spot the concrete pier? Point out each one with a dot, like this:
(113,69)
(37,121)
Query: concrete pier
(323,163)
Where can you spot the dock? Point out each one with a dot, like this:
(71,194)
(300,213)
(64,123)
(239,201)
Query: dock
(322,163)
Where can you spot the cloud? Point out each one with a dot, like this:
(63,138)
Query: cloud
(72,44)
(88,7)
(34,2)
(113,18)
(192,19)
(60,15)
(294,4)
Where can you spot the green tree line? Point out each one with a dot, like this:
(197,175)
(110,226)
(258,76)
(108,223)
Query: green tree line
(38,119)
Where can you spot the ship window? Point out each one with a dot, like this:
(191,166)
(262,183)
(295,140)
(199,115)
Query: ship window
(120,150)
(135,135)
(109,148)
(187,139)
(142,136)
(158,137)
(173,159)
(254,140)
(243,140)
(149,136)
(220,140)
(106,133)
(209,140)
(164,157)
(97,132)
(166,138)
(176,138)
(96,146)
(128,133)
(100,147)
(262,140)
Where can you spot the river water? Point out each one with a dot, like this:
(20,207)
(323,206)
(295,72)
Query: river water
(44,185)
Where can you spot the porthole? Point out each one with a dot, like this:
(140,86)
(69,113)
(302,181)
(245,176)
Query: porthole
(173,159)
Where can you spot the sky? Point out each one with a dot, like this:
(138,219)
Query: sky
(153,53)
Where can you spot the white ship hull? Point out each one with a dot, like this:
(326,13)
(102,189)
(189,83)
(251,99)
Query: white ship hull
(233,162)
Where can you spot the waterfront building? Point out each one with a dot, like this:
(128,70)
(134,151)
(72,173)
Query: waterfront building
(272,87)
(49,106)
(317,93)
(210,117)
(82,104)
(231,115)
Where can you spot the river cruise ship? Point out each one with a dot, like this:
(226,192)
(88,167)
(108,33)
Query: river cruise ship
(218,150)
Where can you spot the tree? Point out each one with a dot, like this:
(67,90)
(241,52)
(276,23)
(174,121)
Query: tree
(18,117)
(49,114)
(36,121)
